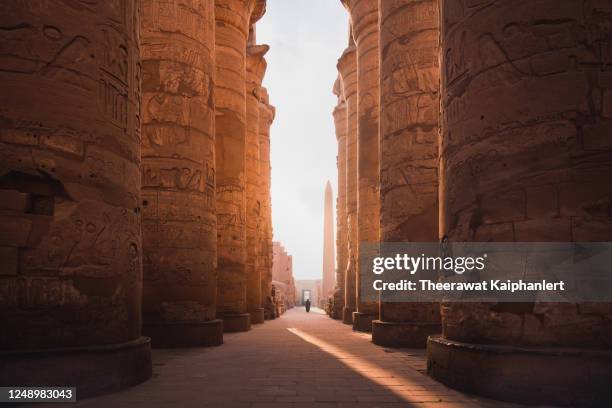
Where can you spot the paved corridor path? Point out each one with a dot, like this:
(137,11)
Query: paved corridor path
(299,360)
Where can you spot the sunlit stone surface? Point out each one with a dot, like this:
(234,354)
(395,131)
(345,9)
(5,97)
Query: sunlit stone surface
(341,127)
(410,104)
(70,210)
(266,117)
(329,262)
(178,174)
(525,156)
(232,29)
(255,68)
(365,31)
(347,66)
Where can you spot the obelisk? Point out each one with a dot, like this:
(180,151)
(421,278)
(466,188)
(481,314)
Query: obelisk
(329,263)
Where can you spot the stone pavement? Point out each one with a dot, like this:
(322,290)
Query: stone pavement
(299,360)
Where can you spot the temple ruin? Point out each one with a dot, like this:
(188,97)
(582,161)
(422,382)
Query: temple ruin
(135,185)
(494,126)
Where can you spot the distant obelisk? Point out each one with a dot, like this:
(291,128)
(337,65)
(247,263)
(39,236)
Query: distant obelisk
(329,263)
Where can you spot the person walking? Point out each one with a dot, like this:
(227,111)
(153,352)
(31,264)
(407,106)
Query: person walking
(307,304)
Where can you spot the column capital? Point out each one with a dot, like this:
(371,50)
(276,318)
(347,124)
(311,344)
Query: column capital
(347,66)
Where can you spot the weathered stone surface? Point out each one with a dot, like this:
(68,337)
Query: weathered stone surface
(266,117)
(522,158)
(232,19)
(178,167)
(341,126)
(70,147)
(347,67)
(284,291)
(255,69)
(69,176)
(409,86)
(365,32)
(511,85)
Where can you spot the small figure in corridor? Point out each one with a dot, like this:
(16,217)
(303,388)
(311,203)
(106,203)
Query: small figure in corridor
(307,304)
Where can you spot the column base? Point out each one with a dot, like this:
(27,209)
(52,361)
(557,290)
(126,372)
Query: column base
(185,334)
(257,315)
(347,316)
(233,323)
(403,334)
(336,313)
(362,322)
(92,370)
(527,375)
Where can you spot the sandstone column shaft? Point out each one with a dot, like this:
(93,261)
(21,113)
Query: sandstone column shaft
(178,174)
(266,116)
(364,22)
(409,84)
(232,28)
(70,241)
(525,156)
(255,68)
(347,66)
(340,122)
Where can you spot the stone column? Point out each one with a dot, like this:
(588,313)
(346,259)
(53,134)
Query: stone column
(364,23)
(70,241)
(347,66)
(409,85)
(178,174)
(340,122)
(255,69)
(266,117)
(525,156)
(232,19)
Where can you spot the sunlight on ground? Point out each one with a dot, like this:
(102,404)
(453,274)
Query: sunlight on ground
(372,372)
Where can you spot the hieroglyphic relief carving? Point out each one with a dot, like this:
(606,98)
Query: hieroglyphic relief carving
(178,163)
(255,71)
(365,32)
(347,67)
(409,150)
(71,148)
(518,87)
(266,117)
(341,127)
(232,29)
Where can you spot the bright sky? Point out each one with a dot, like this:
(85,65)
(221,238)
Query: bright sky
(306,38)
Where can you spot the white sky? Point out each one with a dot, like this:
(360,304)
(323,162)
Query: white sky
(306,38)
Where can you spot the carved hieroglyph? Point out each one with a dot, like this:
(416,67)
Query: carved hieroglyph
(70,244)
(266,117)
(409,135)
(340,122)
(364,23)
(178,162)
(347,66)
(526,147)
(232,28)
(255,70)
